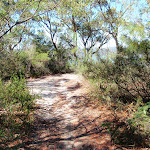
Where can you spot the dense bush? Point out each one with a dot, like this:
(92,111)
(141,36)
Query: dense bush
(126,78)
(59,60)
(141,118)
(122,81)
(16,104)
(15,92)
(35,63)
(10,64)
(32,63)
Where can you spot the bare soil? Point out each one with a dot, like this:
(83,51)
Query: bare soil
(65,118)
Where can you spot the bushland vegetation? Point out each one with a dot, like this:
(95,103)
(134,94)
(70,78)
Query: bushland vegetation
(123,85)
(48,37)
(16,106)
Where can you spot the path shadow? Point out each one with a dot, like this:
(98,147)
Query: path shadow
(125,135)
(74,87)
(49,133)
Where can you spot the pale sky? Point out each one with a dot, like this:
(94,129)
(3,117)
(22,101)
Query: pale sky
(111,43)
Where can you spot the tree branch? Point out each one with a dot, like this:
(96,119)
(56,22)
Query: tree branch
(20,22)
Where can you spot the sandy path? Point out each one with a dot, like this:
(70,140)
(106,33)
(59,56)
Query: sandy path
(64,119)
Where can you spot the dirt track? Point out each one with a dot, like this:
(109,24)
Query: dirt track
(64,119)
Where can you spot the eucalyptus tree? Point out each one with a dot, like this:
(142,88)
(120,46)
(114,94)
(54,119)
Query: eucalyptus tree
(121,17)
(41,42)
(15,15)
(69,12)
(130,67)
(50,23)
(112,18)
(91,35)
(84,30)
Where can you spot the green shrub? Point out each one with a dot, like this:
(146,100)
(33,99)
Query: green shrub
(59,60)
(100,75)
(28,63)
(125,134)
(35,63)
(16,104)
(131,75)
(120,82)
(15,92)
(142,118)
(10,64)
(125,79)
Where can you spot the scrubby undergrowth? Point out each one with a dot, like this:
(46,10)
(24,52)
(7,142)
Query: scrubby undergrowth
(15,110)
(122,83)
